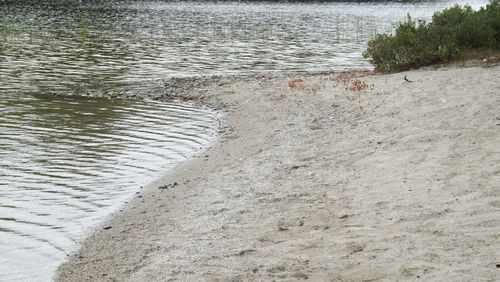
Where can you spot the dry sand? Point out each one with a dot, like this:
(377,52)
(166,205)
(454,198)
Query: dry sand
(398,182)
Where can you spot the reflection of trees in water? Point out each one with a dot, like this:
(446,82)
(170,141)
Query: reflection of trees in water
(84,111)
(65,46)
(71,123)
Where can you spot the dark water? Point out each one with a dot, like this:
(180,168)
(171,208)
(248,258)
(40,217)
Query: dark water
(65,163)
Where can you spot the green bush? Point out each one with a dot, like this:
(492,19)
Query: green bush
(452,33)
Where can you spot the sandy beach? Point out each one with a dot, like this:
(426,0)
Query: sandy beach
(325,177)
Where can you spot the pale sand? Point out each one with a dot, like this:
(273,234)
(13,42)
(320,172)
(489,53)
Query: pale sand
(396,183)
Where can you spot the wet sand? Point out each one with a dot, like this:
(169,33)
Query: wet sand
(393,180)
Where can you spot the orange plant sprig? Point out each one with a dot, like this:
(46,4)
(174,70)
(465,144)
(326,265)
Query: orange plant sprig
(295,83)
(298,84)
(358,85)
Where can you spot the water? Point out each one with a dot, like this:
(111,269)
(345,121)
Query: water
(65,163)
(105,45)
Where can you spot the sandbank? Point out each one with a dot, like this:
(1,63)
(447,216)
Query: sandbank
(325,177)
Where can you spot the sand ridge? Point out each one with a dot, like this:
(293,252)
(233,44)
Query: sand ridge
(396,181)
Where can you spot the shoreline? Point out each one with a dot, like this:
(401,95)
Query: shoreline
(322,183)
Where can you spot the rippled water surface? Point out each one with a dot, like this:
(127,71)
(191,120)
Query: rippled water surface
(67,162)
(81,46)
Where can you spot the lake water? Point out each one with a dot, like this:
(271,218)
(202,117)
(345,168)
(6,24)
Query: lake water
(65,163)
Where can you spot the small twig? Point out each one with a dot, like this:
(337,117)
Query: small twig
(407,80)
(164,187)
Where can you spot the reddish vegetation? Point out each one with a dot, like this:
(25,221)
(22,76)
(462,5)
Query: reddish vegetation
(294,83)
(343,79)
(358,85)
(298,84)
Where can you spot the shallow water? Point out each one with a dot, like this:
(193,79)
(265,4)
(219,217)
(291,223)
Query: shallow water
(65,163)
